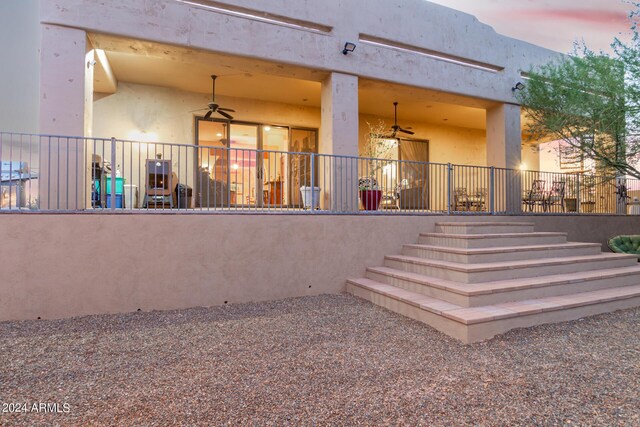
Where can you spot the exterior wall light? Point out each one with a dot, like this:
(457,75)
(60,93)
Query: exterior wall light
(518,86)
(348,47)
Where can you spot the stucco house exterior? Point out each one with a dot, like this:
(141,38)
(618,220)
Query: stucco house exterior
(137,71)
(299,88)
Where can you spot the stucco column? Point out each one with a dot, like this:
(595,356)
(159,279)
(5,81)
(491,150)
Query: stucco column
(339,136)
(66,97)
(504,141)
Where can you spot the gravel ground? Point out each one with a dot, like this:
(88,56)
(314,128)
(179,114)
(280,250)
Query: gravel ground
(330,359)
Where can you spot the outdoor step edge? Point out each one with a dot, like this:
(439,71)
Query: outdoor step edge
(507,265)
(500,249)
(532,306)
(496,235)
(487,224)
(525,283)
(542,305)
(416,299)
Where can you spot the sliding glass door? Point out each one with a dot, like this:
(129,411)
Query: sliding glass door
(248,164)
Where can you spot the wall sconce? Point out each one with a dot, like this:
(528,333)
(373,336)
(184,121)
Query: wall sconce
(348,47)
(518,86)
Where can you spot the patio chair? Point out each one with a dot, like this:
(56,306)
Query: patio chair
(556,195)
(476,200)
(629,244)
(460,199)
(415,196)
(536,195)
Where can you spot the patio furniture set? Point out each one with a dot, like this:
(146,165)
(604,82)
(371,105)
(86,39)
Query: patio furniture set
(539,196)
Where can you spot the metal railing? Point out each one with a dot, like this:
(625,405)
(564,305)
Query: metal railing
(69,174)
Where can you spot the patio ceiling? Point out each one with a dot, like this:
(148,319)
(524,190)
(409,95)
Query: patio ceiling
(148,63)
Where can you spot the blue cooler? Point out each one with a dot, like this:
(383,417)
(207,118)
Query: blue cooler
(118,201)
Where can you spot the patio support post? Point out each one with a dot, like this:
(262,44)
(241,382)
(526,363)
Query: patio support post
(504,141)
(66,99)
(339,136)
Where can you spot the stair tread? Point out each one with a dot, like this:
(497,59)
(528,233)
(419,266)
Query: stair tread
(495,235)
(509,265)
(474,315)
(483,288)
(500,249)
(486,223)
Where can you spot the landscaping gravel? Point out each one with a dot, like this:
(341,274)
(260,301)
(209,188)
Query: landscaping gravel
(324,360)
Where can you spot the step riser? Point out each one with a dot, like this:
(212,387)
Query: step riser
(501,256)
(513,273)
(502,296)
(447,326)
(490,242)
(483,331)
(485,229)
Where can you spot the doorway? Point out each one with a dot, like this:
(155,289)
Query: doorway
(250,164)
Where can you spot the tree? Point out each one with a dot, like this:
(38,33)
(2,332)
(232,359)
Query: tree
(591,101)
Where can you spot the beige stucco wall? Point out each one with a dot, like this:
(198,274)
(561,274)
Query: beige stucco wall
(69,265)
(446,143)
(20,71)
(167,113)
(450,144)
(450,33)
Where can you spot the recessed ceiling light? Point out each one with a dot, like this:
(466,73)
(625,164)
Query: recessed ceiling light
(218,134)
(267,128)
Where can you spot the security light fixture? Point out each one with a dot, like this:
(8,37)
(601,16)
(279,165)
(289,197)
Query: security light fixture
(348,47)
(518,86)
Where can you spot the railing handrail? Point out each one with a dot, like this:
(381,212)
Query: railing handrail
(341,156)
(72,169)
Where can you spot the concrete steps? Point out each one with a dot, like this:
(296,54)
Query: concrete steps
(480,323)
(514,253)
(491,240)
(457,282)
(483,272)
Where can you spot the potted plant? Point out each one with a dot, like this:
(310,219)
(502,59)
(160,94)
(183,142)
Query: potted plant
(376,152)
(370,194)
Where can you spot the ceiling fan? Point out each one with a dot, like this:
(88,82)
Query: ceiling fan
(215,108)
(397,128)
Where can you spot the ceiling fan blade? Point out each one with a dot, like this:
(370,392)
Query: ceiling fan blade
(408,132)
(223,114)
(206,116)
(227,109)
(199,109)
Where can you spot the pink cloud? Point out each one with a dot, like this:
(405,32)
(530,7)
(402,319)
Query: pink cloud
(609,18)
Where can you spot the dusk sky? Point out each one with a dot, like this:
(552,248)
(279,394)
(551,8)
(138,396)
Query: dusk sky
(554,24)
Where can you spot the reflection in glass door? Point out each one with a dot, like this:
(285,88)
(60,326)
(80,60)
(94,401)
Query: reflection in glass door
(212,177)
(244,164)
(275,141)
(303,143)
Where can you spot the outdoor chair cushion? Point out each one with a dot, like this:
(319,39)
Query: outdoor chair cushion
(625,244)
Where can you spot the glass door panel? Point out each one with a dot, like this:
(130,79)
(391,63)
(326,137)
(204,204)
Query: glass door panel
(303,143)
(212,164)
(275,140)
(244,163)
